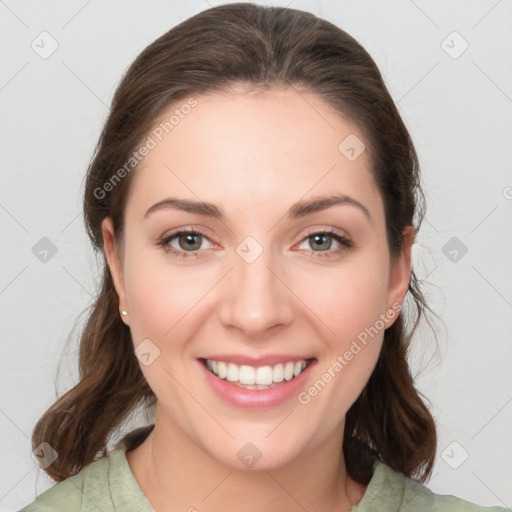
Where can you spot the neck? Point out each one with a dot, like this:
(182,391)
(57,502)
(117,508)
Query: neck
(176,474)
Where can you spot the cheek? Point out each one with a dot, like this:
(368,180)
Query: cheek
(350,303)
(349,298)
(164,301)
(160,295)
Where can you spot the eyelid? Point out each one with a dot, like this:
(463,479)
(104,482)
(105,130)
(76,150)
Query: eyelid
(340,237)
(165,240)
(186,230)
(319,229)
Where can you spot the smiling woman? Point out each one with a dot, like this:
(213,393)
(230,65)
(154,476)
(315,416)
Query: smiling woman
(257,256)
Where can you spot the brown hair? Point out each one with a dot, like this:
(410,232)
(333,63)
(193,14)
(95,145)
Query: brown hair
(261,47)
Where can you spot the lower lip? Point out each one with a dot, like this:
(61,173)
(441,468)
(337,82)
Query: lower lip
(252,398)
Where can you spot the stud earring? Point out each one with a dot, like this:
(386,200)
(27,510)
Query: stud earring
(124,313)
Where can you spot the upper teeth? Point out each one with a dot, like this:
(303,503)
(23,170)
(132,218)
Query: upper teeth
(264,375)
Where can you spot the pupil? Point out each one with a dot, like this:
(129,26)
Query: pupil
(190,242)
(323,241)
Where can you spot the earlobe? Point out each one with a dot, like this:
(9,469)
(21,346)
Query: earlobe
(114,263)
(400,273)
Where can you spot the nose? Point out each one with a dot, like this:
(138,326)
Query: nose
(256,298)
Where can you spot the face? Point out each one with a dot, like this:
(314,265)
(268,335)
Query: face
(254,248)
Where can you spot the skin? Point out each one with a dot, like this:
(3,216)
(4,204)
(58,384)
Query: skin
(253,155)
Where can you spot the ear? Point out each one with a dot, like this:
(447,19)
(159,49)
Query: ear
(115,264)
(400,274)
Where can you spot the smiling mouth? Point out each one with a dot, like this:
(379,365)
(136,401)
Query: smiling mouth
(260,378)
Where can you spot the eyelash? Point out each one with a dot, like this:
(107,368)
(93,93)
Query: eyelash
(164,243)
(345,243)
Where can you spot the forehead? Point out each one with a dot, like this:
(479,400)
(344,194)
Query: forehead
(243,150)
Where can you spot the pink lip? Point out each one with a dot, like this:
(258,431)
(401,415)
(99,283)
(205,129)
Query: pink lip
(252,398)
(269,360)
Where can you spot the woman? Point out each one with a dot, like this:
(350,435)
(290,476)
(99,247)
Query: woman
(255,195)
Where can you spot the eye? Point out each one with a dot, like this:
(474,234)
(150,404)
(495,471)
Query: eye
(186,243)
(323,242)
(189,243)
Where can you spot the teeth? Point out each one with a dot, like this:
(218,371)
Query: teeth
(263,375)
(233,373)
(298,369)
(247,375)
(222,370)
(256,378)
(288,371)
(278,373)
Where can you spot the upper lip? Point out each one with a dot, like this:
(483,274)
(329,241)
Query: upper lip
(256,362)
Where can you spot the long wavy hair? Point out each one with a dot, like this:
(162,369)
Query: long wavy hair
(262,47)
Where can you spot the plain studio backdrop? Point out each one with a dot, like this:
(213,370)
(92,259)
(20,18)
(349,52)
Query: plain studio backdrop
(447,66)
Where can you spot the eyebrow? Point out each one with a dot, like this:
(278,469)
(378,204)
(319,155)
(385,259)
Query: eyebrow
(298,210)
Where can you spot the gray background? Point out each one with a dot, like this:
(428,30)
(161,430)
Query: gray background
(458,108)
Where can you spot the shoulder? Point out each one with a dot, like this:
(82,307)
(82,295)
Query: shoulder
(87,489)
(107,485)
(416,495)
(392,491)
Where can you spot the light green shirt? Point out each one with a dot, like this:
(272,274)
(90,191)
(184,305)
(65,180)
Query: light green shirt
(108,485)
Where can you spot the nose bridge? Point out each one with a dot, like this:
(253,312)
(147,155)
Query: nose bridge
(256,299)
